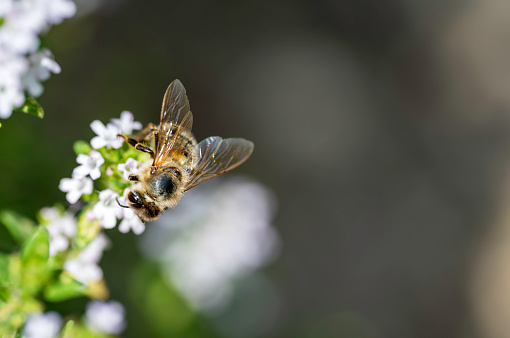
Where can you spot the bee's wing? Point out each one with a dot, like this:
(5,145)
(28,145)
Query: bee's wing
(217,156)
(175,117)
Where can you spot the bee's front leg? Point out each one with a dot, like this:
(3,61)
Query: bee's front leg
(134,178)
(137,145)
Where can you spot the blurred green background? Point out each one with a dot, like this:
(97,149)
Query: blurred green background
(381,126)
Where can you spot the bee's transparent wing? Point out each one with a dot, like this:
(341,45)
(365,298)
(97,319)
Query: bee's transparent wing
(217,156)
(175,117)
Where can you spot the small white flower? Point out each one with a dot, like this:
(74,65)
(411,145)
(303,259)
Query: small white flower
(61,228)
(106,135)
(127,123)
(107,210)
(10,97)
(42,64)
(84,267)
(44,325)
(94,251)
(131,222)
(58,10)
(76,187)
(128,168)
(16,39)
(90,165)
(105,317)
(84,272)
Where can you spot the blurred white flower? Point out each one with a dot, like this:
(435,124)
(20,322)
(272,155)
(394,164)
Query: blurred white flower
(84,267)
(218,234)
(44,325)
(10,96)
(41,65)
(58,10)
(21,65)
(105,317)
(61,227)
(131,222)
(106,135)
(107,210)
(90,165)
(128,168)
(127,123)
(76,187)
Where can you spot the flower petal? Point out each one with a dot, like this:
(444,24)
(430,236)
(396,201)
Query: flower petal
(98,142)
(73,196)
(98,127)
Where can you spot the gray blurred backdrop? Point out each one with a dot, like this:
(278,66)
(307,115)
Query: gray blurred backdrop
(381,126)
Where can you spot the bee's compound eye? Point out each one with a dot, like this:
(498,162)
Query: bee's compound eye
(134,198)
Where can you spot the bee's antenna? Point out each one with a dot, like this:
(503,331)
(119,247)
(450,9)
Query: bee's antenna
(124,206)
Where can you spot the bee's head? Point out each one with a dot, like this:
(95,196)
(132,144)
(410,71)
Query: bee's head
(146,210)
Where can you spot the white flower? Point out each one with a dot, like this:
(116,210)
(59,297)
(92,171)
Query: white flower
(131,222)
(58,10)
(16,39)
(45,325)
(84,272)
(128,168)
(215,236)
(22,22)
(107,210)
(84,267)
(127,123)
(105,317)
(42,64)
(90,165)
(10,97)
(106,135)
(76,187)
(61,227)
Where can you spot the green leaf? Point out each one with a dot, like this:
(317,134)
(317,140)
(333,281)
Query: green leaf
(4,277)
(37,247)
(34,259)
(4,268)
(64,289)
(67,331)
(18,226)
(81,147)
(33,107)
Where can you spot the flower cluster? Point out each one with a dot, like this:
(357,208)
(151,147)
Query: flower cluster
(101,177)
(103,318)
(98,183)
(23,66)
(217,235)
(60,255)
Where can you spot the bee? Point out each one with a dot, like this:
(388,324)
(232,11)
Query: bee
(178,163)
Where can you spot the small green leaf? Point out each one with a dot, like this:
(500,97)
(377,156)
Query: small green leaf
(18,226)
(67,331)
(36,248)
(4,268)
(81,147)
(33,107)
(34,259)
(64,289)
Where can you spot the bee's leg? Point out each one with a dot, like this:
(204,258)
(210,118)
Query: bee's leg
(134,178)
(138,146)
(146,134)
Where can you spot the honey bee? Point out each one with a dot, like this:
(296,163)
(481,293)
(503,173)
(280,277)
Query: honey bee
(178,163)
